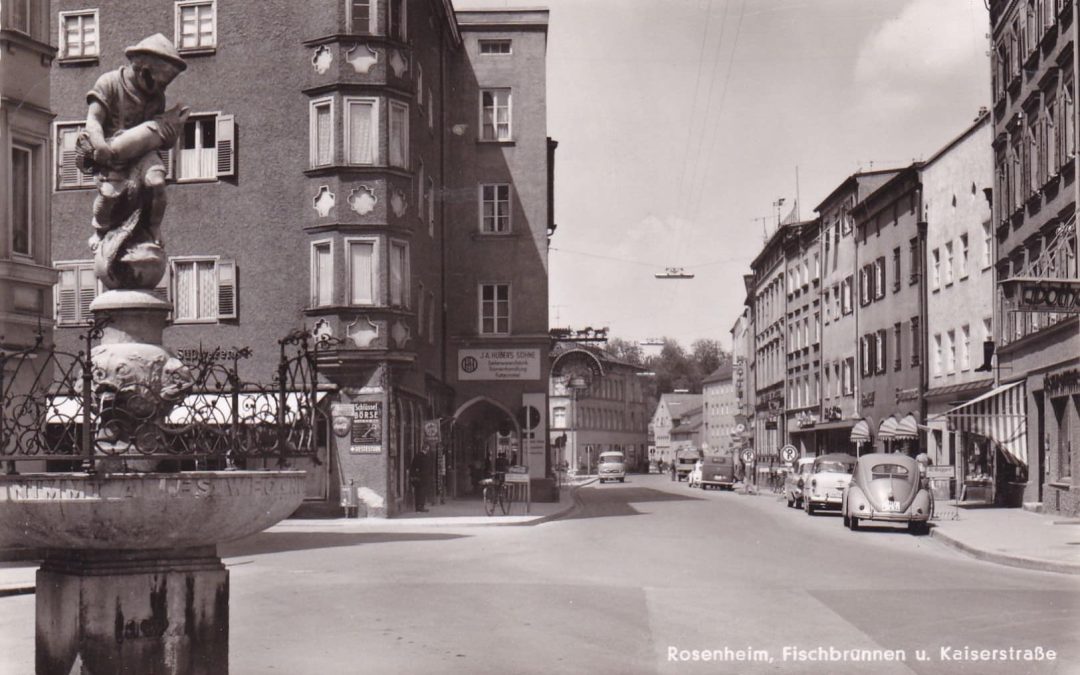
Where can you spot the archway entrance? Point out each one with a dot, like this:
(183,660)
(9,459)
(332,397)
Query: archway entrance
(484,433)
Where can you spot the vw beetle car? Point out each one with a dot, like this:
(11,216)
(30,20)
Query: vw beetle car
(888,488)
(796,480)
(829,477)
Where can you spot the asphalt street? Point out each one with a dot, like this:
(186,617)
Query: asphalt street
(648,576)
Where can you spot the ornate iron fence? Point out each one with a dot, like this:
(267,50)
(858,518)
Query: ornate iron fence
(56,408)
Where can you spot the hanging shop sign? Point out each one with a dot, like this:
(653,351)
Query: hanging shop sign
(832,414)
(366,433)
(867,399)
(498,364)
(1035,294)
(1065,383)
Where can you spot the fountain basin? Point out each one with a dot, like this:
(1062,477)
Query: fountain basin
(143,511)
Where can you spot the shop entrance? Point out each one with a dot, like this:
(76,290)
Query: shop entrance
(486,436)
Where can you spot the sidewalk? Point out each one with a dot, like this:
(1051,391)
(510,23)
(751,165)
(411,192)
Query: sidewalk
(17,576)
(1013,537)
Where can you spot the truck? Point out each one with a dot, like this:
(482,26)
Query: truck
(685,461)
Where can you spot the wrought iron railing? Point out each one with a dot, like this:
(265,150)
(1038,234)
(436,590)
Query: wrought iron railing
(58,413)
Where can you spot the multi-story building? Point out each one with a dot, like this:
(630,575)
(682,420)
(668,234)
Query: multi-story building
(803,344)
(391,190)
(959,315)
(670,410)
(719,407)
(1035,409)
(597,404)
(687,433)
(890,319)
(26,276)
(839,339)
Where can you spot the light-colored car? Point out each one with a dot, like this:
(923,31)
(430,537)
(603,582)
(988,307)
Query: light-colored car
(694,477)
(889,488)
(795,480)
(829,478)
(612,466)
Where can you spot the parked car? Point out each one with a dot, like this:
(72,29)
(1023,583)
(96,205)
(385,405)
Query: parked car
(888,488)
(612,466)
(795,480)
(694,479)
(829,477)
(717,471)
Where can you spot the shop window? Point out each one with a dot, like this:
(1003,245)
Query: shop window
(196,26)
(79,35)
(203,290)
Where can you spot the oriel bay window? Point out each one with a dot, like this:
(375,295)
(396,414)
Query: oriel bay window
(361,130)
(321,132)
(399,135)
(362,269)
(361,17)
(399,274)
(495,309)
(322,273)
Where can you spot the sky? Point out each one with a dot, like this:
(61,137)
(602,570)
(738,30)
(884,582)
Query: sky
(682,123)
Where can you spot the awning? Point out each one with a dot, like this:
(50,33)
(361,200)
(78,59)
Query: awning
(907,428)
(1000,415)
(887,430)
(837,424)
(860,433)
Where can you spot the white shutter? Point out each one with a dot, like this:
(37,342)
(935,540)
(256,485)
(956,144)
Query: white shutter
(87,291)
(226,146)
(167,159)
(67,307)
(226,281)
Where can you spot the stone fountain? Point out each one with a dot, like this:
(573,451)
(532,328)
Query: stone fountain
(131,581)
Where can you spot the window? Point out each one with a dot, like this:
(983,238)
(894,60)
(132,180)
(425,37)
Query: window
(67,174)
(935,275)
(79,35)
(495,309)
(865,281)
(558,417)
(205,149)
(18,15)
(965,347)
(398,19)
(75,290)
(950,351)
(897,345)
(322,273)
(495,115)
(965,254)
(203,290)
(849,376)
(495,46)
(196,25)
(864,356)
(879,351)
(22,194)
(848,300)
(399,135)
(879,278)
(988,245)
(322,132)
(948,263)
(495,208)
(938,356)
(361,130)
(827,303)
(362,268)
(399,274)
(361,17)
(895,270)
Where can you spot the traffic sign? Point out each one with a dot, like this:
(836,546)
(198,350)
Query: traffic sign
(788,453)
(747,456)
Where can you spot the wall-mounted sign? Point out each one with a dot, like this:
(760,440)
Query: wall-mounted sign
(867,399)
(907,394)
(1031,294)
(832,413)
(498,364)
(366,428)
(1062,384)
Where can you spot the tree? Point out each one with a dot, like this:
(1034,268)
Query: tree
(708,355)
(625,351)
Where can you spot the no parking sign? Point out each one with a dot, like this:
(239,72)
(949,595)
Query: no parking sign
(747,456)
(788,453)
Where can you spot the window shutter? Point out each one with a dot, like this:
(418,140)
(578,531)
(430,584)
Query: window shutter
(67,307)
(226,146)
(87,291)
(163,290)
(226,278)
(167,159)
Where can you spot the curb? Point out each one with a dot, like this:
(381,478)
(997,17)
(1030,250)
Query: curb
(1005,558)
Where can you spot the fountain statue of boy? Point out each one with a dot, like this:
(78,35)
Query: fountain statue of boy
(126,126)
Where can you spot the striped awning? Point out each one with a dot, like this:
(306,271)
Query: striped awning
(1000,415)
(860,433)
(887,430)
(906,428)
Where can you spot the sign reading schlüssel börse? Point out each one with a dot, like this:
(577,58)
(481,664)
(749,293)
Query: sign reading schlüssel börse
(498,364)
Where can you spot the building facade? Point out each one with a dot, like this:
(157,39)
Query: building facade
(719,408)
(669,412)
(370,197)
(1037,370)
(26,275)
(803,339)
(597,404)
(770,354)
